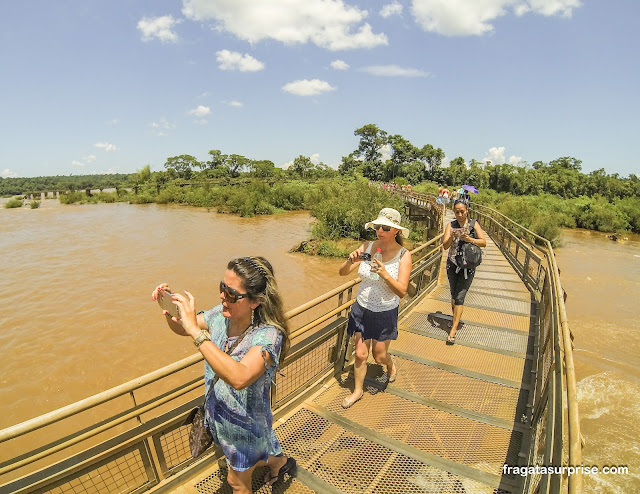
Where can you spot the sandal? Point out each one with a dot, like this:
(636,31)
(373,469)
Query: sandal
(451,340)
(289,467)
(347,403)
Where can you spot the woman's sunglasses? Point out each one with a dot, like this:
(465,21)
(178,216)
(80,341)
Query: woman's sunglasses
(385,228)
(231,296)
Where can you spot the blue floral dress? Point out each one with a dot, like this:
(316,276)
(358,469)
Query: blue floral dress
(241,421)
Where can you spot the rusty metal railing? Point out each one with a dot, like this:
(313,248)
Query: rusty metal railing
(555,420)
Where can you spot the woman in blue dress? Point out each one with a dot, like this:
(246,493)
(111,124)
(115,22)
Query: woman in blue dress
(238,410)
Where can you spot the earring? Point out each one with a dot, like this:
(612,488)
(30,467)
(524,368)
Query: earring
(253,317)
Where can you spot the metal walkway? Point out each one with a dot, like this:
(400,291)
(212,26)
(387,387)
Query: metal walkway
(448,424)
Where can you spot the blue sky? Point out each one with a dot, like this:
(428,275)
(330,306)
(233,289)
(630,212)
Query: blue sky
(90,86)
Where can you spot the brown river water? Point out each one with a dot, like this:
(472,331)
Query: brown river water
(78,318)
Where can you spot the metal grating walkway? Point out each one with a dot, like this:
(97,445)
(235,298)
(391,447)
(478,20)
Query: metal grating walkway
(450,421)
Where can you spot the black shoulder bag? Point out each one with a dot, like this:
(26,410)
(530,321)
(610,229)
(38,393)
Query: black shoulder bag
(200,437)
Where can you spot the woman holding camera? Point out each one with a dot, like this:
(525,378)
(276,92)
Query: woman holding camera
(242,341)
(456,233)
(373,319)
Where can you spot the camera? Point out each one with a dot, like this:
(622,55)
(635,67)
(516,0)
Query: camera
(365,256)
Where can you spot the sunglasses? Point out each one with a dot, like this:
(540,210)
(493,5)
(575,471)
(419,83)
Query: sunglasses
(230,295)
(385,228)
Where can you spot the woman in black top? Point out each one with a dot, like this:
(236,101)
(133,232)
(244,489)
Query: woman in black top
(456,233)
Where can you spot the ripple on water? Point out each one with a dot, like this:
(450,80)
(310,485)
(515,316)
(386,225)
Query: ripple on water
(610,425)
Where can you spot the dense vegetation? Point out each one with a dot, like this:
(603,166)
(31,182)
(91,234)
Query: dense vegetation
(541,196)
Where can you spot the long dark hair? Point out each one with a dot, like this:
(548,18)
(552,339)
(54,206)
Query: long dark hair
(258,279)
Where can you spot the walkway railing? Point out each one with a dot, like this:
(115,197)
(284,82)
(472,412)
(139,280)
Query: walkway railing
(131,437)
(556,425)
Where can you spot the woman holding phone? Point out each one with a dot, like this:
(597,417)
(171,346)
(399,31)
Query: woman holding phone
(373,319)
(251,326)
(456,233)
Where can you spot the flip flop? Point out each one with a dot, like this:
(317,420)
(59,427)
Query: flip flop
(289,467)
(451,341)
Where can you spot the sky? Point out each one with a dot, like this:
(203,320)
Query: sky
(109,86)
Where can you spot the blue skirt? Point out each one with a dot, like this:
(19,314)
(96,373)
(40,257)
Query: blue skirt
(380,326)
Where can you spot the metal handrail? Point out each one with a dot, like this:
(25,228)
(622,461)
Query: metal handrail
(424,255)
(125,388)
(575,440)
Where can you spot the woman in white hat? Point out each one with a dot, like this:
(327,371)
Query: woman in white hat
(374,315)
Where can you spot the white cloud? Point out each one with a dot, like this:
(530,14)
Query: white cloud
(327,23)
(85,160)
(394,71)
(391,9)
(232,60)
(158,27)
(286,165)
(107,146)
(200,111)
(386,152)
(6,173)
(496,155)
(113,121)
(445,162)
(315,158)
(474,17)
(339,65)
(162,127)
(308,88)
(234,103)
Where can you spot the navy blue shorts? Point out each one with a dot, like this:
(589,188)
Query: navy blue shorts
(380,326)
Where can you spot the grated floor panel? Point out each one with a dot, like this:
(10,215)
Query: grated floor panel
(472,359)
(490,302)
(459,439)
(354,464)
(473,314)
(467,332)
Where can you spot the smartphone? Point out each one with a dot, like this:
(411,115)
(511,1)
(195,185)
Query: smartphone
(166,302)
(365,256)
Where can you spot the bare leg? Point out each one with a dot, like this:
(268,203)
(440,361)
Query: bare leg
(381,355)
(457,315)
(240,482)
(360,367)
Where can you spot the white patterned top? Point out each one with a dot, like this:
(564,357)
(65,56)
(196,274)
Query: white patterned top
(376,295)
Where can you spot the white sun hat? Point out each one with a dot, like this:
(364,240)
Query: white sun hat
(389,217)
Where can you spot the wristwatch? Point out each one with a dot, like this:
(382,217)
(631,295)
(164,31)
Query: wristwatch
(201,338)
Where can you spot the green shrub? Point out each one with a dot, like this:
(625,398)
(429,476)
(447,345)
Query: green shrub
(630,206)
(34,204)
(345,208)
(13,203)
(73,197)
(596,213)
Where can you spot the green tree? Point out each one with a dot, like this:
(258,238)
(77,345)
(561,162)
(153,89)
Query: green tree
(183,165)
(301,167)
(262,168)
(236,164)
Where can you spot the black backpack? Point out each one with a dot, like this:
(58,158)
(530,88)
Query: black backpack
(470,255)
